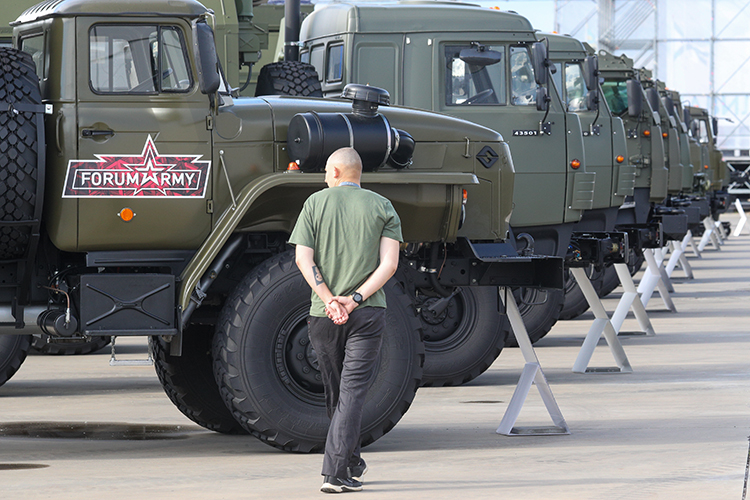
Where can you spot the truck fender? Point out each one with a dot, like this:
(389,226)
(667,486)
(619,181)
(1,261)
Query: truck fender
(232,216)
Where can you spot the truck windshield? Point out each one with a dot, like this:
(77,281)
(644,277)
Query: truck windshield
(616,94)
(138,59)
(468,84)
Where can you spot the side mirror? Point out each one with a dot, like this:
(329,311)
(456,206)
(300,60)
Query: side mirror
(540,62)
(669,104)
(591,72)
(542,99)
(715,126)
(204,51)
(653,99)
(635,98)
(480,56)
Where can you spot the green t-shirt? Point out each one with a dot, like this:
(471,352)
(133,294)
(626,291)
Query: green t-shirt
(343,225)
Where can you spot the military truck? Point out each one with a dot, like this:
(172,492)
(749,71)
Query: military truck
(703,128)
(247,39)
(575,75)
(142,197)
(647,217)
(488,67)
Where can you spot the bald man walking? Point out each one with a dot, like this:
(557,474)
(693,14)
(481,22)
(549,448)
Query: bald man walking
(347,245)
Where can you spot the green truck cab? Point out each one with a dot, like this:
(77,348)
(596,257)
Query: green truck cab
(149,199)
(479,74)
(703,129)
(626,90)
(488,67)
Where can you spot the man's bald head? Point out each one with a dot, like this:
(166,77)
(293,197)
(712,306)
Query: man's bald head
(348,164)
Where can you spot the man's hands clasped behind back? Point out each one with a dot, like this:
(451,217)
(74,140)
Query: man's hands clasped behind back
(338,309)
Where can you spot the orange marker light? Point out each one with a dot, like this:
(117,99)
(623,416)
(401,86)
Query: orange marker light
(292,166)
(465,197)
(620,159)
(575,164)
(664,134)
(705,166)
(126,214)
(647,133)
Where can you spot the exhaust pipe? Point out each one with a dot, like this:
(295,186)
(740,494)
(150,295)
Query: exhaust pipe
(30,315)
(291,30)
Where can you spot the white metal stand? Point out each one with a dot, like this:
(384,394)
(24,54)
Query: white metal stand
(694,247)
(719,232)
(630,300)
(655,276)
(678,257)
(709,235)
(603,325)
(532,374)
(743,217)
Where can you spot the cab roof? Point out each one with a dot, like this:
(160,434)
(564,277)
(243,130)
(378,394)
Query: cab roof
(564,46)
(410,17)
(151,8)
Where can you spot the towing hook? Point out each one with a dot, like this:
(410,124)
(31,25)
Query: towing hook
(528,248)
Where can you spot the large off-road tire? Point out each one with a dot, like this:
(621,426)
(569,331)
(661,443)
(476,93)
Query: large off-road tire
(288,78)
(267,370)
(464,340)
(189,380)
(540,310)
(575,302)
(612,281)
(13,350)
(18,150)
(39,344)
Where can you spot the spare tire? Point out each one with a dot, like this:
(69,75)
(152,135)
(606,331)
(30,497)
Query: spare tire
(19,150)
(288,78)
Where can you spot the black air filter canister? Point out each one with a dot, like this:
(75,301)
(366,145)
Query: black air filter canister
(312,137)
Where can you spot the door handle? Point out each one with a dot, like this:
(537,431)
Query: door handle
(88,132)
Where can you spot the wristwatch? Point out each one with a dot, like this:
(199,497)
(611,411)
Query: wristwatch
(357,297)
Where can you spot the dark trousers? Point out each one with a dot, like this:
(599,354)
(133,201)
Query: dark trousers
(347,358)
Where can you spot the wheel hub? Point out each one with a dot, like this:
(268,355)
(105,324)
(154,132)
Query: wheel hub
(296,361)
(440,326)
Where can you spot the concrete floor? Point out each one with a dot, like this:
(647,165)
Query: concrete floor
(675,428)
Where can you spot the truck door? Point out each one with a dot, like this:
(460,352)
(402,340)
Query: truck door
(141,174)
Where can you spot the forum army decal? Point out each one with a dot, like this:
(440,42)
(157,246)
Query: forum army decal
(149,175)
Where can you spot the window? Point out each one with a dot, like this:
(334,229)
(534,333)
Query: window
(703,137)
(34,46)
(317,55)
(138,59)
(523,84)
(471,84)
(335,63)
(575,88)
(616,94)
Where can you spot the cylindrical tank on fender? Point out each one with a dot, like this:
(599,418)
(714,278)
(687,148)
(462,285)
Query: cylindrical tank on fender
(312,137)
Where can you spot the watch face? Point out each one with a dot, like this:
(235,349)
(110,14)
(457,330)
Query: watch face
(357,297)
